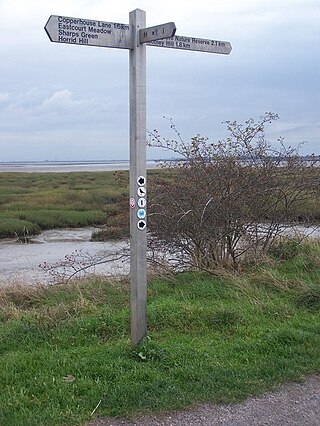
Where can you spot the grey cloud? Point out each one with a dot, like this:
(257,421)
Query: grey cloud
(60,101)
(57,99)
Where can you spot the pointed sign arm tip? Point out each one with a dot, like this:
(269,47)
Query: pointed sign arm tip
(47,26)
(174,28)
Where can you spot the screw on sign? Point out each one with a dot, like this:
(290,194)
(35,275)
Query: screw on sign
(132,203)
(133,37)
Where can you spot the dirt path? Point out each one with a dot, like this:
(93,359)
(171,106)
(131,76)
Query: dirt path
(294,404)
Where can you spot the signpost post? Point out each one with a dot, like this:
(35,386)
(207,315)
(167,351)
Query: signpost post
(138,231)
(134,37)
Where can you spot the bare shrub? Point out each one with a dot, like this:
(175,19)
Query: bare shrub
(229,199)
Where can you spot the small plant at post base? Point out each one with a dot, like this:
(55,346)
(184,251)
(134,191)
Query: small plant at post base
(147,350)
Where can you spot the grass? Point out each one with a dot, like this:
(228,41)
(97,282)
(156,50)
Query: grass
(64,350)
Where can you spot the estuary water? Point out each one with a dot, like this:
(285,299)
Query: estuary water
(68,166)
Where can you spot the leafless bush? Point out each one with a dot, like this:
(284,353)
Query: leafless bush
(227,199)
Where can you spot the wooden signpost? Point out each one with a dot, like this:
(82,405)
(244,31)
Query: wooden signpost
(134,37)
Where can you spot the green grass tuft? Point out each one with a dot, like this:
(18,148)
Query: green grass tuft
(12,228)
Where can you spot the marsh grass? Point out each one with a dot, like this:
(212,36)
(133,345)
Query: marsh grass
(210,338)
(37,201)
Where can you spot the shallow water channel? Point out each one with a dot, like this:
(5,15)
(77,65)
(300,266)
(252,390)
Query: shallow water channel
(20,262)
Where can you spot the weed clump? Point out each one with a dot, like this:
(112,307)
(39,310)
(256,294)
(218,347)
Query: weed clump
(148,350)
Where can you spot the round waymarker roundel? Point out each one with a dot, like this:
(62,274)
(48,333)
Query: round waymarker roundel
(141,225)
(141,213)
(141,191)
(141,181)
(142,202)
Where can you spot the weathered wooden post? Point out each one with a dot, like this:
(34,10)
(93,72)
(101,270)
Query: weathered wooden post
(138,228)
(134,37)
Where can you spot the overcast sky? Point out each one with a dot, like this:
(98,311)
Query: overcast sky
(68,102)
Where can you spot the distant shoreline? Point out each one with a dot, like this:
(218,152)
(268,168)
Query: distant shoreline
(68,166)
(93,166)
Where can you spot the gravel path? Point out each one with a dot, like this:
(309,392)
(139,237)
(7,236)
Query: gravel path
(294,404)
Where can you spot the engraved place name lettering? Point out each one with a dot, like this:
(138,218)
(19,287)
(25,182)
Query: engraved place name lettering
(75,21)
(63,29)
(192,43)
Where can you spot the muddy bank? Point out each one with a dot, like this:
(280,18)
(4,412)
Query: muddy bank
(20,262)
